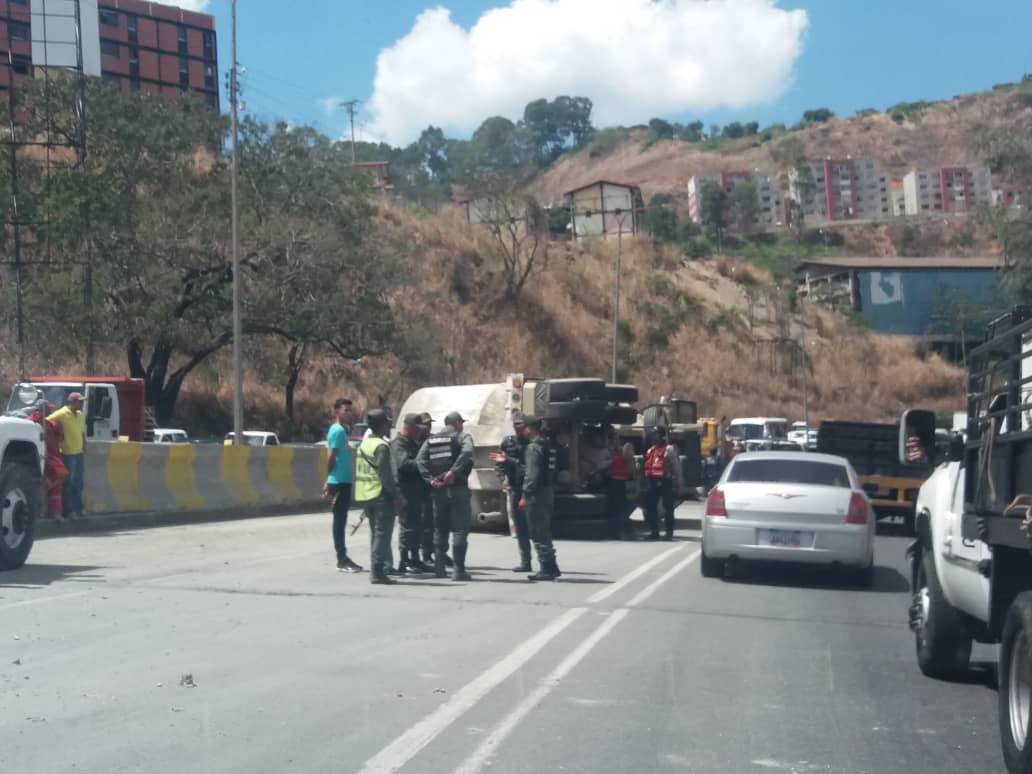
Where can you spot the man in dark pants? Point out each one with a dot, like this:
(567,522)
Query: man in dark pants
(445,461)
(538,500)
(339,476)
(510,465)
(404,448)
(426,539)
(376,490)
(662,474)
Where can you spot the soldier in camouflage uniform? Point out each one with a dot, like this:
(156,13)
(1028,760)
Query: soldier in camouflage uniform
(445,461)
(510,465)
(538,499)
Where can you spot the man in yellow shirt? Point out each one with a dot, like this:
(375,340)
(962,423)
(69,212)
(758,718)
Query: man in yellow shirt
(72,422)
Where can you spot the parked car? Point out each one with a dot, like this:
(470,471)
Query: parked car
(170,435)
(789,507)
(758,433)
(255,438)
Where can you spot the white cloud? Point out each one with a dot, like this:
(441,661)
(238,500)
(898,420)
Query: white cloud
(635,59)
(191,5)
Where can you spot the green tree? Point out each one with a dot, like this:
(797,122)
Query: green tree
(693,132)
(713,207)
(660,129)
(746,205)
(556,126)
(499,144)
(816,116)
(661,219)
(1008,152)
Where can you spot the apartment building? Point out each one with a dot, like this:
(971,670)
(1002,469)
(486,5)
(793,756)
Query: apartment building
(769,196)
(948,189)
(841,189)
(134,46)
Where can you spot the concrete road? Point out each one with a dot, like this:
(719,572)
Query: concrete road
(236,647)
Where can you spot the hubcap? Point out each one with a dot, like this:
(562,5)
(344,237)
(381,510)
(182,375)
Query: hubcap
(1020,690)
(14,511)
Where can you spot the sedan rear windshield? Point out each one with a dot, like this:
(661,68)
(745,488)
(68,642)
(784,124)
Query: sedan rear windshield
(789,472)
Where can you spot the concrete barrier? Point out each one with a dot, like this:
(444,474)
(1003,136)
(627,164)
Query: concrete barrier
(135,477)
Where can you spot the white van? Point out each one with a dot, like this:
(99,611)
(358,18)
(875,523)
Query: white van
(170,435)
(758,433)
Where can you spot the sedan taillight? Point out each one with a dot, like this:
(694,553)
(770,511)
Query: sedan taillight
(715,505)
(857,509)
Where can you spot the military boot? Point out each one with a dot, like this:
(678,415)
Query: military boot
(379,577)
(546,573)
(524,565)
(403,563)
(415,565)
(555,568)
(460,574)
(439,570)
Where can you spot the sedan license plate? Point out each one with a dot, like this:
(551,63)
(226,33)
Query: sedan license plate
(782,538)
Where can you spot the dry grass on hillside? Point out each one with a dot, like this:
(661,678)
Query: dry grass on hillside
(945,134)
(699,330)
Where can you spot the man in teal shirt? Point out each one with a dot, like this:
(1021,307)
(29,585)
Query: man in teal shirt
(340,475)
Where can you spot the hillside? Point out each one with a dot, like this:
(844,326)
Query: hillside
(707,330)
(939,134)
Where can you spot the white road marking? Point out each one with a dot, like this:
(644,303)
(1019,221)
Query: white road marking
(652,588)
(486,749)
(608,591)
(405,747)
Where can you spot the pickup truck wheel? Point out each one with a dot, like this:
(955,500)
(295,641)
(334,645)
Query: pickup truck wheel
(711,568)
(20,500)
(1015,693)
(940,637)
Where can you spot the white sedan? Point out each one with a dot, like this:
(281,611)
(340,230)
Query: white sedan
(789,507)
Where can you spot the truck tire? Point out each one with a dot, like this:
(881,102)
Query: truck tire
(578,410)
(940,636)
(560,390)
(711,568)
(1015,691)
(621,415)
(621,393)
(20,501)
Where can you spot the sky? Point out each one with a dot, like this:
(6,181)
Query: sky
(453,63)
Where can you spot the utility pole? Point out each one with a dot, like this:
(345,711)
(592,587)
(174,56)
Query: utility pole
(806,378)
(616,304)
(350,106)
(238,388)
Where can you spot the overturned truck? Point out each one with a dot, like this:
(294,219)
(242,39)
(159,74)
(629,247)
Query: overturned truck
(578,412)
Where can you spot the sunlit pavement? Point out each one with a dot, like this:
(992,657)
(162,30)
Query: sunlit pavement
(236,646)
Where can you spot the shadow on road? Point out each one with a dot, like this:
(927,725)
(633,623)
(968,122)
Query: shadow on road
(36,575)
(886,579)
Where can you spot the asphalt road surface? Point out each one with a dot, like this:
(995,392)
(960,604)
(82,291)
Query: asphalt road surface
(236,647)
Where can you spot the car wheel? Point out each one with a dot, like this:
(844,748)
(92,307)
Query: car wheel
(1015,691)
(940,637)
(621,415)
(711,568)
(20,501)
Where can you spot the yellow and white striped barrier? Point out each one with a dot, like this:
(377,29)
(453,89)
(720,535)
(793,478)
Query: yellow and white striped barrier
(135,477)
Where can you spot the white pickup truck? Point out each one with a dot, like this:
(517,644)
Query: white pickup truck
(21,488)
(950,607)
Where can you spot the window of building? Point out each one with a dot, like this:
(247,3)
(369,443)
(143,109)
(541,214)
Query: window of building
(110,49)
(134,85)
(22,3)
(134,61)
(213,100)
(21,64)
(184,72)
(209,76)
(18,30)
(108,17)
(131,24)
(115,81)
(182,40)
(209,45)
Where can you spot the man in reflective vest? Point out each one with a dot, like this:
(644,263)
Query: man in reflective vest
(445,461)
(662,473)
(404,448)
(538,499)
(510,465)
(376,490)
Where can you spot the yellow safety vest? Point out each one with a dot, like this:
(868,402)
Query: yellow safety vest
(367,480)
